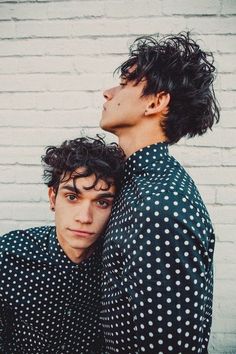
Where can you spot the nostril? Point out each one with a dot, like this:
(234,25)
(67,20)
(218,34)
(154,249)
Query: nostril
(105,95)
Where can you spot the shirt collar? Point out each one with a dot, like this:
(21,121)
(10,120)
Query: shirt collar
(146,158)
(60,258)
(55,250)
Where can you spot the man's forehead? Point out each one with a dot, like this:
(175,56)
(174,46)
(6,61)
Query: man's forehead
(80,183)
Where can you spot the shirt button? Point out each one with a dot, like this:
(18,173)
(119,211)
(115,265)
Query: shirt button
(69,313)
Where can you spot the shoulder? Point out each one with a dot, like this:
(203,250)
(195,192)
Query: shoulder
(18,241)
(170,181)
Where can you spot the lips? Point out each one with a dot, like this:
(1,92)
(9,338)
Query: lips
(81,233)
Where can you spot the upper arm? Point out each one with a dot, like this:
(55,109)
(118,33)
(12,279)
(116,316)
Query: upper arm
(165,268)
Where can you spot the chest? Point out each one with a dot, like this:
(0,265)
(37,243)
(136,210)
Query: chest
(37,292)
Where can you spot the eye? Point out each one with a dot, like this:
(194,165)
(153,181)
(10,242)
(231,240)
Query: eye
(122,83)
(71,197)
(103,203)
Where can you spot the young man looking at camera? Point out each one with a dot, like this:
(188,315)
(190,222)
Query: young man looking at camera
(159,242)
(50,276)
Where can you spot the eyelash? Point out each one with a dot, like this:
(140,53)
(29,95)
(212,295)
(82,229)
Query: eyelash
(107,202)
(71,195)
(102,206)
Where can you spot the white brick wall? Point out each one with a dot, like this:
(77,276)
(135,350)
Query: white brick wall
(56,57)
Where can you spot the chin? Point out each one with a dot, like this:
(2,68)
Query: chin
(105,126)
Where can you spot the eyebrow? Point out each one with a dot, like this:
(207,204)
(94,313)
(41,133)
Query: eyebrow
(77,191)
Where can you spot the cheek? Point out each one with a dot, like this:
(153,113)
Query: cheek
(102,221)
(62,214)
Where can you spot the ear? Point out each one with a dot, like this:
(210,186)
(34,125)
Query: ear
(52,198)
(158,104)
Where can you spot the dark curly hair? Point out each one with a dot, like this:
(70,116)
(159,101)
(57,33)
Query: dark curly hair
(105,161)
(176,65)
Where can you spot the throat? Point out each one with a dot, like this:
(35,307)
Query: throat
(131,143)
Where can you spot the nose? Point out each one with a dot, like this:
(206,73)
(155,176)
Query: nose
(108,94)
(84,214)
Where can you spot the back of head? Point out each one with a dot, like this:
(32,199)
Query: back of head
(105,161)
(176,65)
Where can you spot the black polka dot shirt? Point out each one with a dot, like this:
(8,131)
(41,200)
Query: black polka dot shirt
(158,249)
(48,304)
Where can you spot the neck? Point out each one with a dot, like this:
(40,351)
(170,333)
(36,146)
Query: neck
(133,140)
(76,255)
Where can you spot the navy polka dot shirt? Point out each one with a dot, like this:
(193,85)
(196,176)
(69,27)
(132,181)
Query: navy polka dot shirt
(48,304)
(158,250)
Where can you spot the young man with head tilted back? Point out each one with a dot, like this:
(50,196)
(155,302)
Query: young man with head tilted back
(159,242)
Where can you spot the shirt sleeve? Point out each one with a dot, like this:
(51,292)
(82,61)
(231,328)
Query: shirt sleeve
(1,328)
(167,275)
(2,314)
(1,306)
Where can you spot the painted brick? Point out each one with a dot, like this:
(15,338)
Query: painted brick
(225,253)
(226,195)
(229,157)
(226,233)
(222,289)
(208,194)
(7,29)
(101,64)
(228,7)
(228,81)
(36,137)
(61,28)
(47,10)
(223,214)
(230,324)
(6,211)
(185,7)
(6,175)
(116,45)
(62,119)
(28,29)
(54,118)
(227,99)
(224,343)
(34,223)
(36,211)
(20,193)
(226,44)
(218,43)
(227,119)
(212,25)
(45,101)
(162,25)
(213,175)
(27,174)
(17,101)
(21,155)
(226,62)
(135,8)
(76,9)
(224,138)
(49,46)
(40,82)
(225,271)
(197,156)
(6,226)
